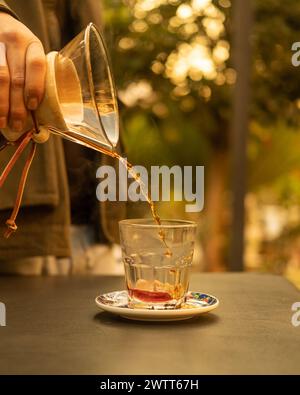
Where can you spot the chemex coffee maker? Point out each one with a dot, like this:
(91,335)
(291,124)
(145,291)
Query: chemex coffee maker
(79,104)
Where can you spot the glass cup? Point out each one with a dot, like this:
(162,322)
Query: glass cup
(157,261)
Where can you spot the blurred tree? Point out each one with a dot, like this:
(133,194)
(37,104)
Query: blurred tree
(275,80)
(170,60)
(172,64)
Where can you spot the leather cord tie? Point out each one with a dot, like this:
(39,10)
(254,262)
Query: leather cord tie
(21,144)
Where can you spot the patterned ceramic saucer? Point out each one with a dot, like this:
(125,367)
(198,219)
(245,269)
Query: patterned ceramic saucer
(196,303)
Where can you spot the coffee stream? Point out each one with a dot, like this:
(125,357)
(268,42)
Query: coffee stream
(130,169)
(154,213)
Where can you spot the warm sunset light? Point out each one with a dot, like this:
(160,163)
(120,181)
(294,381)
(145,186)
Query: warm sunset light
(149,196)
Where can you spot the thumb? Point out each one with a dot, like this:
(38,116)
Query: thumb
(11,136)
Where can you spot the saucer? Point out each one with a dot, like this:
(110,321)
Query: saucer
(196,303)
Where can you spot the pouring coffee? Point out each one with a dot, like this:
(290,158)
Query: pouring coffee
(80,101)
(80,104)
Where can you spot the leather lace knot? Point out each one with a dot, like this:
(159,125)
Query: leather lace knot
(21,144)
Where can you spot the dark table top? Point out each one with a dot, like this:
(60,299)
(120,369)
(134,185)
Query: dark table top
(54,327)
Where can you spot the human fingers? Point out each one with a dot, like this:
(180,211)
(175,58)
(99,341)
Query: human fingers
(35,75)
(4,87)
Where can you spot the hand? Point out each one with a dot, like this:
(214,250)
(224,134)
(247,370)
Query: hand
(22,73)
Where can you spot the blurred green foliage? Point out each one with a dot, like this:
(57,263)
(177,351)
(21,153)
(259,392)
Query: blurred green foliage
(275,80)
(165,128)
(274,145)
(188,128)
(186,120)
(176,107)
